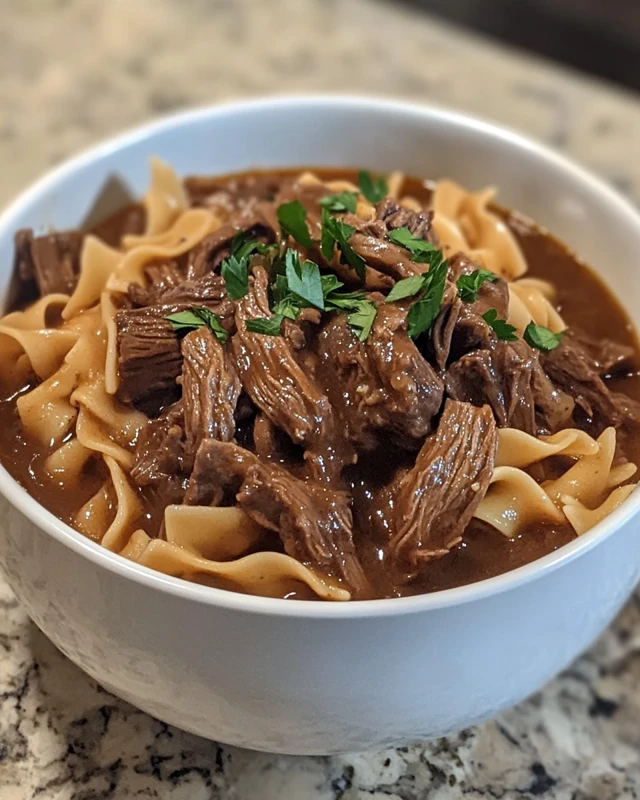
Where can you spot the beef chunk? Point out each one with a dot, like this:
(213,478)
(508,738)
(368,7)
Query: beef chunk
(457,331)
(574,367)
(396,216)
(370,242)
(508,377)
(253,219)
(490,295)
(412,388)
(53,261)
(159,456)
(210,389)
(435,500)
(161,278)
(149,356)
(231,194)
(313,521)
(381,386)
(218,473)
(277,384)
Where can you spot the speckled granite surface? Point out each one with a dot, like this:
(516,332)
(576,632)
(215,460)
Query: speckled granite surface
(73,72)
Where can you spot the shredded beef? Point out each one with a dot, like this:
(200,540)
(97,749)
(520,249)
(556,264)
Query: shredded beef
(277,384)
(435,500)
(210,389)
(149,358)
(509,379)
(253,219)
(575,369)
(218,473)
(53,260)
(383,386)
(159,456)
(396,216)
(490,295)
(161,278)
(313,521)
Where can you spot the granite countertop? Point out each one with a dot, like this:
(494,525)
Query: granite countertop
(74,72)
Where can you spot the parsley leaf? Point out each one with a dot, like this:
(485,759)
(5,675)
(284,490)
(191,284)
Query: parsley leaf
(373,190)
(362,318)
(422,252)
(407,287)
(235,272)
(235,268)
(542,338)
(424,311)
(344,301)
(336,232)
(304,280)
(293,221)
(330,283)
(268,326)
(340,202)
(469,285)
(194,318)
(501,327)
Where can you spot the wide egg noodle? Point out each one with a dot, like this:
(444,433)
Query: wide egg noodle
(583,518)
(530,301)
(519,449)
(265,573)
(581,496)
(515,500)
(165,199)
(464,223)
(211,532)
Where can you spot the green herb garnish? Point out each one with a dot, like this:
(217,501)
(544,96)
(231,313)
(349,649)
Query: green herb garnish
(373,190)
(235,269)
(542,338)
(501,327)
(422,252)
(362,318)
(340,202)
(194,318)
(235,272)
(293,221)
(303,280)
(424,311)
(268,326)
(336,232)
(407,287)
(469,285)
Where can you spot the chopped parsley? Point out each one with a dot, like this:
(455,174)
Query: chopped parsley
(301,285)
(235,268)
(542,338)
(407,287)
(422,252)
(303,280)
(373,190)
(501,327)
(336,232)
(268,326)
(469,285)
(293,222)
(340,202)
(423,312)
(195,317)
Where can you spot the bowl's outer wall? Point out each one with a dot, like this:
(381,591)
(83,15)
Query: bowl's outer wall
(304,686)
(313,685)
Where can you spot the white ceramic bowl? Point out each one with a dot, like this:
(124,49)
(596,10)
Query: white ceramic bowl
(311,677)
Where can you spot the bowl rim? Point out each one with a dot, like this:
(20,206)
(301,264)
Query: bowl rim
(18,497)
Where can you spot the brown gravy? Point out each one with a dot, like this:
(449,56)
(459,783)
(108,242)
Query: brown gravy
(584,300)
